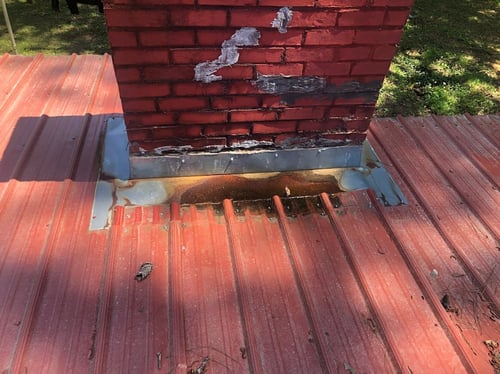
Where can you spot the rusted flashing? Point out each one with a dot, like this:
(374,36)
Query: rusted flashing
(283,18)
(246,36)
(293,87)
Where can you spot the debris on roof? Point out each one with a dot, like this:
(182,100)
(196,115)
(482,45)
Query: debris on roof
(324,283)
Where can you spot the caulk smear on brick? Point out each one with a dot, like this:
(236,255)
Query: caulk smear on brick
(293,87)
(283,18)
(246,36)
(282,84)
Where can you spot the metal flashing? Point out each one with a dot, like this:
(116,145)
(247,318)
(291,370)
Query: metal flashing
(237,162)
(372,174)
(115,160)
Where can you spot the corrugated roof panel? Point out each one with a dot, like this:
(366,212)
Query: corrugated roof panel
(342,321)
(317,284)
(474,244)
(275,319)
(471,141)
(403,310)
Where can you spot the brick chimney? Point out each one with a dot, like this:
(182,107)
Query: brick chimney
(224,76)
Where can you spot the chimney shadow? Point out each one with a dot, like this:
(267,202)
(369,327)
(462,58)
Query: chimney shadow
(55,148)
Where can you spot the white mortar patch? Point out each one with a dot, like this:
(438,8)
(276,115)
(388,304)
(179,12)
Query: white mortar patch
(246,36)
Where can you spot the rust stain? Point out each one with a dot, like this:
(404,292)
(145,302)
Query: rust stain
(280,284)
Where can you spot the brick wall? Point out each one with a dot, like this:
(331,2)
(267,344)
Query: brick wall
(300,73)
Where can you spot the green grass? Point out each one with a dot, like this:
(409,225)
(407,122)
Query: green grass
(447,62)
(38,29)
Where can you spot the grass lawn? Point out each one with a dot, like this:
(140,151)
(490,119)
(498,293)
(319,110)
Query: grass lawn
(447,63)
(38,29)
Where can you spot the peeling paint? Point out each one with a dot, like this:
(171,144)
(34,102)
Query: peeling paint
(246,36)
(283,18)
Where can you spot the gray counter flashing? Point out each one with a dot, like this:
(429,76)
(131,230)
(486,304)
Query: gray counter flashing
(245,161)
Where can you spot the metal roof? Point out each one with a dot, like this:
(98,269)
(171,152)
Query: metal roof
(329,283)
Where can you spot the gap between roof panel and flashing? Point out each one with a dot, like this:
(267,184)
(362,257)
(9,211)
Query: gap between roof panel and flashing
(186,177)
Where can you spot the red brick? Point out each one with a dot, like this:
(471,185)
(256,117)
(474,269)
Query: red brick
(260,55)
(139,105)
(319,126)
(149,119)
(327,68)
(258,18)
(194,89)
(172,73)
(313,18)
(213,37)
(355,18)
(351,101)
(202,117)
(235,102)
(340,111)
(384,52)
(140,56)
(341,3)
(193,55)
(127,74)
(377,36)
(302,113)
(353,53)
(198,17)
(242,88)
(177,132)
(166,38)
(329,37)
(309,54)
(122,38)
(183,103)
(228,2)
(136,90)
(164,2)
(277,69)
(252,115)
(227,129)
(396,17)
(236,72)
(289,3)
(276,127)
(393,3)
(364,111)
(313,101)
(274,38)
(370,67)
(136,18)
(273,102)
(357,125)
(138,134)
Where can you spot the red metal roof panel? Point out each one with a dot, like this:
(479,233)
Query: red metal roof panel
(316,284)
